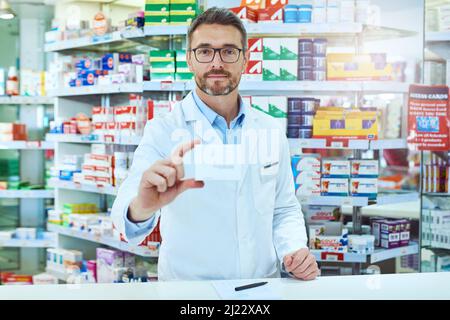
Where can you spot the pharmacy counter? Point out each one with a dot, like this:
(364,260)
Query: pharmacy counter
(395,286)
(402,210)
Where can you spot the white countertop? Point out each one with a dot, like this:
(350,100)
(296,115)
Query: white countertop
(410,210)
(393,286)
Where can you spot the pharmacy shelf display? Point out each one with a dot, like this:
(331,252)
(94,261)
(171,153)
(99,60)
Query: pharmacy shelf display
(353,33)
(37,243)
(123,41)
(14,100)
(27,194)
(151,250)
(76,138)
(27,145)
(434,212)
(377,256)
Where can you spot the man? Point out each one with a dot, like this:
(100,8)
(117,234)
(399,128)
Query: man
(251,228)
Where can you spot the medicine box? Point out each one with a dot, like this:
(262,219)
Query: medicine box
(364,168)
(332,168)
(364,187)
(391,233)
(271,49)
(305,162)
(271,70)
(334,187)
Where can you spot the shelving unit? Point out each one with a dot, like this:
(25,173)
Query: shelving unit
(27,145)
(149,251)
(377,256)
(25,100)
(353,33)
(74,138)
(69,185)
(38,243)
(27,194)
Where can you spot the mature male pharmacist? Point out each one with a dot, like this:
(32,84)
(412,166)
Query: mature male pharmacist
(252,227)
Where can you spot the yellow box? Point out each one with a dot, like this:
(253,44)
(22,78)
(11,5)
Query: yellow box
(365,67)
(339,123)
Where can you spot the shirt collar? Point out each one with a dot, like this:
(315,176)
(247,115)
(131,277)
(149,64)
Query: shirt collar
(211,115)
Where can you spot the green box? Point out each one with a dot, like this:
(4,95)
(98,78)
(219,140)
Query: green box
(162,55)
(157,20)
(271,70)
(271,48)
(161,8)
(288,70)
(182,17)
(184,76)
(162,67)
(183,7)
(289,49)
(163,76)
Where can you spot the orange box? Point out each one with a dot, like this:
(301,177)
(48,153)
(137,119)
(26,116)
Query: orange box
(246,14)
(271,14)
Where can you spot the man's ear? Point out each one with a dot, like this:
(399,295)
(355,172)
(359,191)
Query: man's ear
(246,59)
(188,59)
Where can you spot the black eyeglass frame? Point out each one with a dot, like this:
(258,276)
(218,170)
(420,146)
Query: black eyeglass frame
(220,54)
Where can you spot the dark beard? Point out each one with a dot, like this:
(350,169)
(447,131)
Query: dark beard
(230,87)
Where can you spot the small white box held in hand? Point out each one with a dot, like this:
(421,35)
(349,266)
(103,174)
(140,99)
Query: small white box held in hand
(214,162)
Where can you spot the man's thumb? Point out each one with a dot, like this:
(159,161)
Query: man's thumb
(189,184)
(288,260)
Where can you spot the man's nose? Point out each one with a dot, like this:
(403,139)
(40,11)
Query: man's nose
(217,61)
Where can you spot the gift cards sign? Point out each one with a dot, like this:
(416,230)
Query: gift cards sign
(428,118)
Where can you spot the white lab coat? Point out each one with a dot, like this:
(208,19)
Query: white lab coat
(226,230)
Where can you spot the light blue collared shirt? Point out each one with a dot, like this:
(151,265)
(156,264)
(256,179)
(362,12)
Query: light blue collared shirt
(230,135)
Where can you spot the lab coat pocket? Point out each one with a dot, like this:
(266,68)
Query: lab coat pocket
(265,186)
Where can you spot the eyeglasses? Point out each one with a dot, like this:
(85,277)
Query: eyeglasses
(207,55)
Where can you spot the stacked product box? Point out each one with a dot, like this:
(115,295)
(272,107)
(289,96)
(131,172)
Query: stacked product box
(174,12)
(111,68)
(275,106)
(315,11)
(182,72)
(62,259)
(301,112)
(436,228)
(306,172)
(97,168)
(390,233)
(182,12)
(32,83)
(271,59)
(70,165)
(162,65)
(364,178)
(113,264)
(289,59)
(335,177)
(363,67)
(157,12)
(13,131)
(254,70)
(339,124)
(286,59)
(436,176)
(116,122)
(318,240)
(312,59)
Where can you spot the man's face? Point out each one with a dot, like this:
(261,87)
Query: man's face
(216,78)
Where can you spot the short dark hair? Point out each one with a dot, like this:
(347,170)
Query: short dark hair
(220,16)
